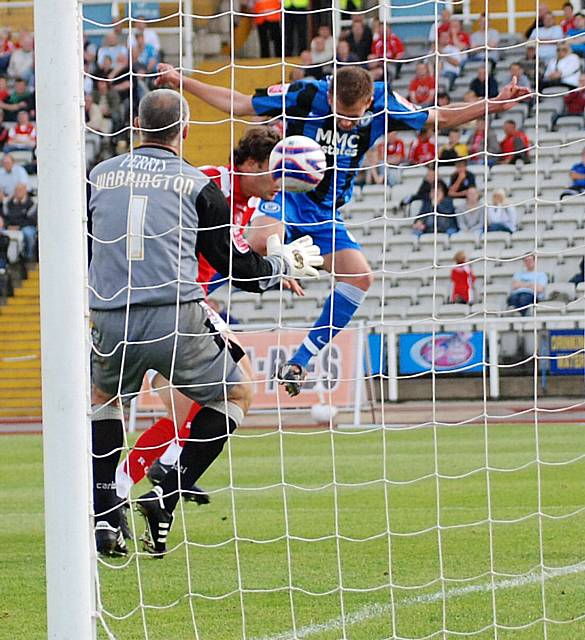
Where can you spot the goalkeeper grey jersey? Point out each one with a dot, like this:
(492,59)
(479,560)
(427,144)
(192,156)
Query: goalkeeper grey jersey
(151,213)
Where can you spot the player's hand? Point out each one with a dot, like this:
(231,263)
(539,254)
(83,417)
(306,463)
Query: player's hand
(294,286)
(509,96)
(300,257)
(168,76)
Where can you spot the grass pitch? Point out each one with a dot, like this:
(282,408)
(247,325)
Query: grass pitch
(233,562)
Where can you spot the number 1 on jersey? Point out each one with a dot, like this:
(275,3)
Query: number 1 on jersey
(135,232)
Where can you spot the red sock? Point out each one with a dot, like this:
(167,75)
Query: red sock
(149,446)
(185,430)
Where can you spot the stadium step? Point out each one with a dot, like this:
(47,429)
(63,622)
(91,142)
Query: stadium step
(20,362)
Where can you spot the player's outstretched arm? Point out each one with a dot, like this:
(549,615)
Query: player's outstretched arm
(458,113)
(218,97)
(248,269)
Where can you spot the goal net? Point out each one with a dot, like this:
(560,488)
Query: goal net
(427,481)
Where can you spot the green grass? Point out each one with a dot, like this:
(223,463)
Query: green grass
(213,565)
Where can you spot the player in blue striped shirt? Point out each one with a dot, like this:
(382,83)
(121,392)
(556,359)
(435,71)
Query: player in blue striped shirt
(346,114)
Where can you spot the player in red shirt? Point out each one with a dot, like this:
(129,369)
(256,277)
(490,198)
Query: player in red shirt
(423,149)
(243,189)
(462,280)
(421,89)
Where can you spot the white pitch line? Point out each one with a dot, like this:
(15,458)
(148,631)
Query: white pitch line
(371,611)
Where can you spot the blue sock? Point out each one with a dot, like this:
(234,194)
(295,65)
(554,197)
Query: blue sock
(346,300)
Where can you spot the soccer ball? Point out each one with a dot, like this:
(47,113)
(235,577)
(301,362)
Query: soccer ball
(323,414)
(299,162)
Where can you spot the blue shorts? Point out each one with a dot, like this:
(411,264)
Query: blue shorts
(303,217)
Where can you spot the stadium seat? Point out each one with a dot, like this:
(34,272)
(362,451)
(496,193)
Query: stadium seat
(565,289)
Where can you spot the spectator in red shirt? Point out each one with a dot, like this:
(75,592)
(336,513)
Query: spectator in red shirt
(568,21)
(423,149)
(421,89)
(3,131)
(23,136)
(392,50)
(514,145)
(575,101)
(7,46)
(443,25)
(458,37)
(462,280)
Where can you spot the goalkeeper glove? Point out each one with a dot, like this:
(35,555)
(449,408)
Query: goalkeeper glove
(300,256)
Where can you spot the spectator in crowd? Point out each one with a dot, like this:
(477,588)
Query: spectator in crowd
(108,101)
(516,71)
(539,21)
(501,216)
(579,277)
(4,247)
(478,84)
(151,38)
(390,157)
(106,67)
(527,286)
(573,103)
(267,20)
(295,26)
(321,56)
(146,55)
(424,190)
(514,145)
(344,53)
(454,148)
(530,65)
(461,180)
(439,27)
(393,50)
(360,38)
(96,124)
(7,46)
(563,70)
(3,131)
(20,98)
(23,137)
(22,60)
(549,31)
(422,149)
(568,20)
(482,38)
(472,216)
(577,175)
(482,144)
(15,246)
(457,36)
(20,214)
(462,280)
(451,59)
(11,174)
(111,48)
(324,32)
(421,90)
(121,80)
(577,35)
(437,214)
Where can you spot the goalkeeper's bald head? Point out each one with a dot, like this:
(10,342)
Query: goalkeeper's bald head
(163,117)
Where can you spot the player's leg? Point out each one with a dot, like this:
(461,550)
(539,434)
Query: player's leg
(207,368)
(107,441)
(353,277)
(156,441)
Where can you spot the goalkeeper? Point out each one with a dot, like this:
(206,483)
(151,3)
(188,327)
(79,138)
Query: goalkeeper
(158,448)
(346,114)
(150,211)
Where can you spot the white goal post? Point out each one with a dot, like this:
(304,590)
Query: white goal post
(70,549)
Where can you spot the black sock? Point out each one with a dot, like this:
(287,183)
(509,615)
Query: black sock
(210,427)
(107,439)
